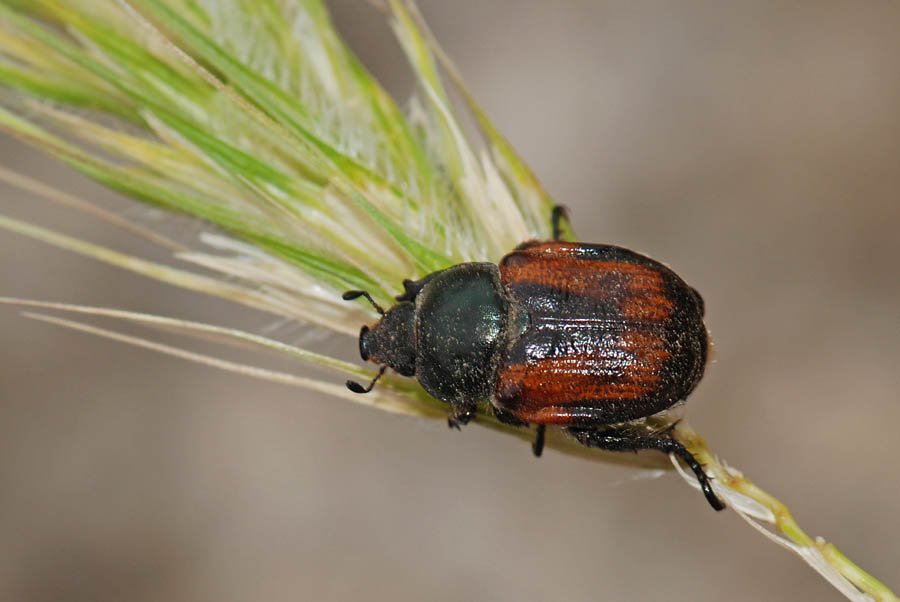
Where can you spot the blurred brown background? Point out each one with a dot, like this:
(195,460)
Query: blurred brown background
(753,146)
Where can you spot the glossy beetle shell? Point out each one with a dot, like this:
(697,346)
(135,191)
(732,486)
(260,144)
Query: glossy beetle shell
(613,335)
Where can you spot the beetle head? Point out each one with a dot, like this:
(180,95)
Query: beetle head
(391,341)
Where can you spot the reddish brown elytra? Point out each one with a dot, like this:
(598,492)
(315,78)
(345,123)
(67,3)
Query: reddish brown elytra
(613,335)
(591,338)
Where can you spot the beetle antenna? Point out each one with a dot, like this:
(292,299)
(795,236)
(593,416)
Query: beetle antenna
(351,295)
(358,388)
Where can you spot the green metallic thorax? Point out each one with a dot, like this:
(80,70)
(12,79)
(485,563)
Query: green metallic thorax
(461,332)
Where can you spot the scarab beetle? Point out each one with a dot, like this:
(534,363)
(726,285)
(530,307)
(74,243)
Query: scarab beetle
(586,337)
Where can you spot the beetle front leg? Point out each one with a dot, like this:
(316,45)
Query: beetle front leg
(623,440)
(461,412)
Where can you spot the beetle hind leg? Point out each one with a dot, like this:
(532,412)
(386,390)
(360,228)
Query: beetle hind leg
(622,440)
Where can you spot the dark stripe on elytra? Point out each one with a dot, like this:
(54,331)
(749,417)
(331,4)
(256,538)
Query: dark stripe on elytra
(545,299)
(607,301)
(584,277)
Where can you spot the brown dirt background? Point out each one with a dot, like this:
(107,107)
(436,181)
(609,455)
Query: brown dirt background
(753,146)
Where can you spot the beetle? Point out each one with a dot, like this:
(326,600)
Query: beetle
(592,338)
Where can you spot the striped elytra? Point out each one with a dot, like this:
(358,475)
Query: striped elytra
(612,335)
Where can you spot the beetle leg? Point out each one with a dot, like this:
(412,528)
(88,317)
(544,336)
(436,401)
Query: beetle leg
(538,446)
(511,419)
(621,440)
(559,213)
(460,414)
(413,287)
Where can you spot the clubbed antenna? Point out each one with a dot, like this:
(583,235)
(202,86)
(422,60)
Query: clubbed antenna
(351,295)
(358,388)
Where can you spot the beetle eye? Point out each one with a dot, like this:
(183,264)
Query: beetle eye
(364,343)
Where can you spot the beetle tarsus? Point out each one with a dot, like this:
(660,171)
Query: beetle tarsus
(351,295)
(705,485)
(538,446)
(620,440)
